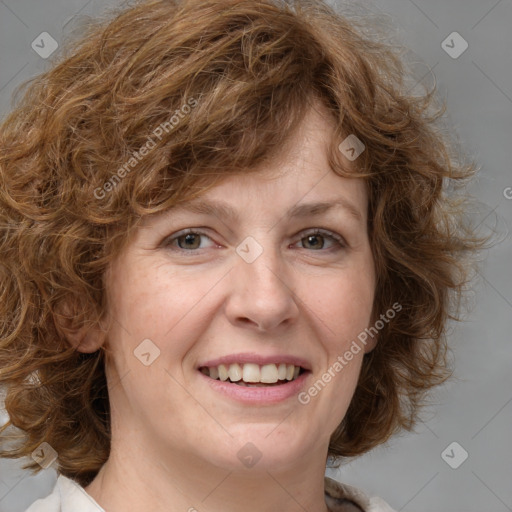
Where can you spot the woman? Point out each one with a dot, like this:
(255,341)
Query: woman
(229,254)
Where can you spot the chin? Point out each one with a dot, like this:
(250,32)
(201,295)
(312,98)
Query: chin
(263,447)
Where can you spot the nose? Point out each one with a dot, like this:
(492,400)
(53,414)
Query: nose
(261,293)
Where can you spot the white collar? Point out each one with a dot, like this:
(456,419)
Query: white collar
(69,496)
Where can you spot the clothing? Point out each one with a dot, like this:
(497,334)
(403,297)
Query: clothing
(68,496)
(339,498)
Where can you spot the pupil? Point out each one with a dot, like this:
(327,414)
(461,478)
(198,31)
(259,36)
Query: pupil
(312,237)
(189,239)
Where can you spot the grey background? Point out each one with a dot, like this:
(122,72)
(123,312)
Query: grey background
(475,409)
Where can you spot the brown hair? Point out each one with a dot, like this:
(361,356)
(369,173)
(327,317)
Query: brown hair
(248,70)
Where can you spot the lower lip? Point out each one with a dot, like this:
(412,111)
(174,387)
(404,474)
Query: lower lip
(260,394)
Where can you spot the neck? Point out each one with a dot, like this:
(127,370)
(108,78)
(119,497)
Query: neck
(132,480)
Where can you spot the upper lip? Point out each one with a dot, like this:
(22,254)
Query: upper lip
(258,359)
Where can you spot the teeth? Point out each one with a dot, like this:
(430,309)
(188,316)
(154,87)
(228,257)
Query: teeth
(235,373)
(223,373)
(269,373)
(252,373)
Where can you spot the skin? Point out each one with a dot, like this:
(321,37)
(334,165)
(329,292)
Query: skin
(174,439)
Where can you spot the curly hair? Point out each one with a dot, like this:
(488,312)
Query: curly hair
(92,148)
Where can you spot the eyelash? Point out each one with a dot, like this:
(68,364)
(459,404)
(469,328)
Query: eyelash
(315,232)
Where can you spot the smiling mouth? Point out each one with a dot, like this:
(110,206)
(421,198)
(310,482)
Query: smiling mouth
(254,375)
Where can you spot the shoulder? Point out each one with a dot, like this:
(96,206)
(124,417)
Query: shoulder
(341,497)
(66,496)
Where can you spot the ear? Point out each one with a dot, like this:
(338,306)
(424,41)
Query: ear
(371,343)
(79,333)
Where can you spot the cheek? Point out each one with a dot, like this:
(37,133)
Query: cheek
(153,305)
(151,301)
(157,304)
(345,306)
(343,303)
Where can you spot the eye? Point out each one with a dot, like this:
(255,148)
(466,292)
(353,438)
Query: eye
(187,240)
(316,240)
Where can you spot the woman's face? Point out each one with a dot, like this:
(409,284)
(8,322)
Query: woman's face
(253,285)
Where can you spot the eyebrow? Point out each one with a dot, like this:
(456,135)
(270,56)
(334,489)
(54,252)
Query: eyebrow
(224,210)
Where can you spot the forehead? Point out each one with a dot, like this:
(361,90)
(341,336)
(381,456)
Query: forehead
(302,209)
(320,194)
(299,179)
